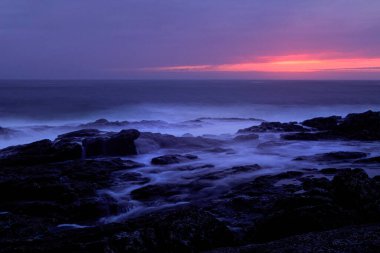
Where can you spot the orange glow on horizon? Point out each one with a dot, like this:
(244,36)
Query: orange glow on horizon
(285,64)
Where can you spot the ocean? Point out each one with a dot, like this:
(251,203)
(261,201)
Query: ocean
(52,102)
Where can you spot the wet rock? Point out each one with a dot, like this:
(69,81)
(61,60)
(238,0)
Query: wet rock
(333,156)
(79,135)
(129,164)
(69,147)
(104,123)
(275,127)
(149,142)
(246,137)
(134,177)
(356,126)
(171,159)
(316,184)
(219,174)
(311,136)
(353,188)
(360,126)
(323,123)
(183,229)
(375,159)
(44,151)
(64,191)
(354,239)
(299,214)
(329,171)
(117,144)
(157,191)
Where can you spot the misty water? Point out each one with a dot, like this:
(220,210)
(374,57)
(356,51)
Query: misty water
(213,110)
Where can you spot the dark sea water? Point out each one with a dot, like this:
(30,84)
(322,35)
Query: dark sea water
(72,101)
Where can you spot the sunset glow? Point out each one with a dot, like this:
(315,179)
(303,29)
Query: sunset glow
(291,64)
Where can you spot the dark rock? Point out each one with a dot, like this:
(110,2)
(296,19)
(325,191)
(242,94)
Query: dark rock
(119,144)
(79,135)
(332,156)
(356,126)
(353,188)
(68,147)
(148,142)
(44,151)
(311,136)
(129,164)
(171,159)
(174,230)
(64,191)
(104,123)
(316,184)
(361,126)
(157,191)
(350,198)
(275,127)
(354,239)
(246,137)
(299,214)
(218,174)
(329,171)
(375,159)
(134,177)
(323,123)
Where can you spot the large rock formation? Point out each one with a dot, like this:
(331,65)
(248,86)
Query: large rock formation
(71,146)
(355,126)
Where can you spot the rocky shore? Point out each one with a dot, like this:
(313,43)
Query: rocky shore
(92,190)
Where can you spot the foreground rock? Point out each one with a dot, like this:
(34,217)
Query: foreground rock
(355,239)
(58,193)
(274,207)
(178,230)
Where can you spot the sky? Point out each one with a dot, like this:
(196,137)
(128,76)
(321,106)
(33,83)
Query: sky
(197,39)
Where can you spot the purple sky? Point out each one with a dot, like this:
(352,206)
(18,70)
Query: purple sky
(53,39)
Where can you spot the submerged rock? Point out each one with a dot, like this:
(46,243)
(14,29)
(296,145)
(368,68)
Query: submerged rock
(275,127)
(170,159)
(7,132)
(104,123)
(149,142)
(375,159)
(332,156)
(246,137)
